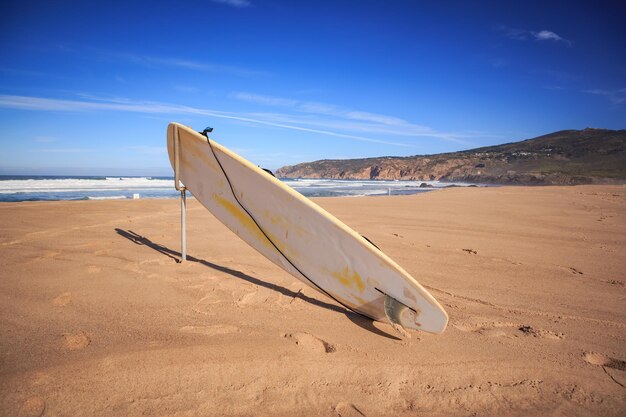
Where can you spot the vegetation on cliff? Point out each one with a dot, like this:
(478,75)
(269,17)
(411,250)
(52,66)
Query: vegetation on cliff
(564,157)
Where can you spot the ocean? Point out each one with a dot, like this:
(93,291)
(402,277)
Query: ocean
(41,188)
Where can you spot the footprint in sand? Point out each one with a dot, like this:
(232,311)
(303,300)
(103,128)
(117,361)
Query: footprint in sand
(543,334)
(159,261)
(252,298)
(492,332)
(210,330)
(491,329)
(50,254)
(63,299)
(348,410)
(570,269)
(32,407)
(76,341)
(604,361)
(506,329)
(616,282)
(207,304)
(311,343)
(92,269)
(508,261)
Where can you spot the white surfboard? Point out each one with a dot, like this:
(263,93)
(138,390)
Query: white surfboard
(299,236)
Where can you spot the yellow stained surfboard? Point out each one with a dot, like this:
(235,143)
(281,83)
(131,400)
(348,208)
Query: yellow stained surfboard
(299,236)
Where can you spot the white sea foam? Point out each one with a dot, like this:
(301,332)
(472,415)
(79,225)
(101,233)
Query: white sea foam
(108,197)
(81,184)
(326,183)
(67,188)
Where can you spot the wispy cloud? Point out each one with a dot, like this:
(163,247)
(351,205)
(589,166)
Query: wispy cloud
(558,76)
(513,33)
(557,80)
(374,118)
(188,64)
(186,89)
(66,150)
(554,87)
(546,35)
(614,96)
(30,73)
(331,116)
(271,157)
(267,100)
(171,62)
(234,3)
(147,150)
(151,61)
(542,35)
(45,139)
(61,105)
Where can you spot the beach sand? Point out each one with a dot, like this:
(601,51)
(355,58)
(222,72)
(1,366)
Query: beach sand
(98,318)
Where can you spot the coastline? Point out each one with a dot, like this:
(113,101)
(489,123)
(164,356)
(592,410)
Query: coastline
(532,278)
(60,188)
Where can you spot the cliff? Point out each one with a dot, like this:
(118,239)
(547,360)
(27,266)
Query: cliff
(564,157)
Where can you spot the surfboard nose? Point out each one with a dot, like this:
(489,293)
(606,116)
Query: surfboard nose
(433,320)
(428,319)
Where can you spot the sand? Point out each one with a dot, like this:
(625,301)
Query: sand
(98,318)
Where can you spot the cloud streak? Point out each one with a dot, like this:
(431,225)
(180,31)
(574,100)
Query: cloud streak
(234,3)
(524,35)
(266,100)
(151,61)
(125,105)
(66,150)
(546,35)
(337,117)
(45,139)
(614,96)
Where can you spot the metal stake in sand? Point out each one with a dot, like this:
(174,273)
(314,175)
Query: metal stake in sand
(183,224)
(183,198)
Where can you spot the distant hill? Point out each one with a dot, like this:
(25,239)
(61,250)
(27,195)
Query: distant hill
(565,157)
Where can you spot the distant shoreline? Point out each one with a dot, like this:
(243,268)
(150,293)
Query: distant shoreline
(68,188)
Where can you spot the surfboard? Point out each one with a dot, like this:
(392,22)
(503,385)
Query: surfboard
(299,236)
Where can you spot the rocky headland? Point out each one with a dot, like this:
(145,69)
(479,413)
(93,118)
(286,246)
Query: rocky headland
(566,157)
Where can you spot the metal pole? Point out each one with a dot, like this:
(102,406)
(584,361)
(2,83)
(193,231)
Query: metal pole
(183,197)
(183,224)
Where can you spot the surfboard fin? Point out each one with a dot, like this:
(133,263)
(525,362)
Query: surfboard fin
(396,312)
(268,171)
(372,243)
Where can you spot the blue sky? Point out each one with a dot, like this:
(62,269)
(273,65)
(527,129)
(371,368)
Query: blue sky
(89,88)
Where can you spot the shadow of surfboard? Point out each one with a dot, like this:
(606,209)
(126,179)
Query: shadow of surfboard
(357,319)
